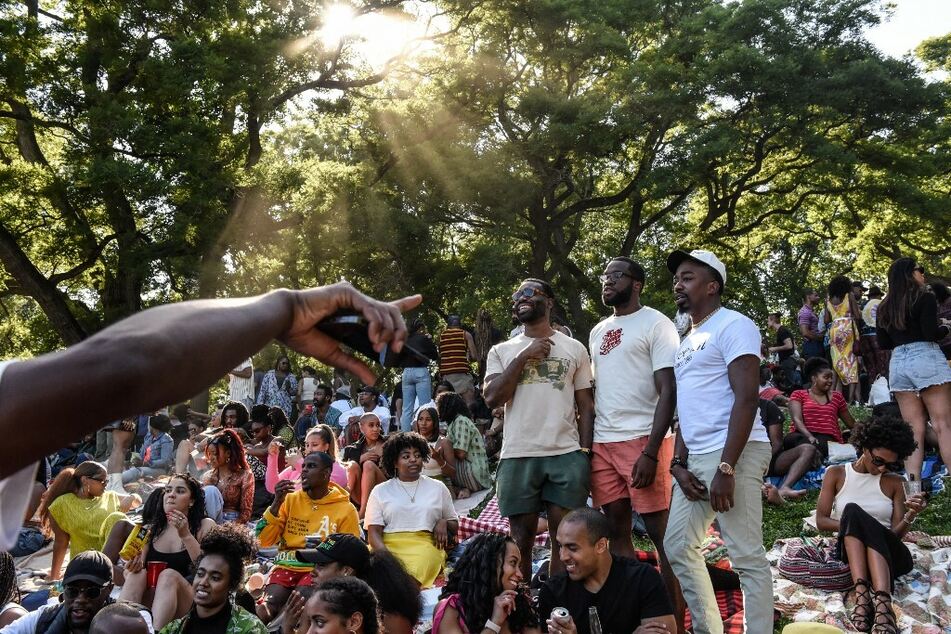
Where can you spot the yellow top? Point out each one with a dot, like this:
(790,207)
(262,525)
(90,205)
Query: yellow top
(83,519)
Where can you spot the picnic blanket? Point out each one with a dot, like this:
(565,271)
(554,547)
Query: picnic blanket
(490,521)
(933,472)
(922,598)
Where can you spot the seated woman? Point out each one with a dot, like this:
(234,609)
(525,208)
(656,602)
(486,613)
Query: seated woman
(866,505)
(80,512)
(281,425)
(442,459)
(816,412)
(121,546)
(486,585)
(229,483)
(218,573)
(363,456)
(10,610)
(342,605)
(261,430)
(173,539)
(472,465)
(411,515)
(158,452)
(320,438)
(791,463)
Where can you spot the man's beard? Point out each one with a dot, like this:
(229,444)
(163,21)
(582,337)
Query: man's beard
(620,297)
(537,312)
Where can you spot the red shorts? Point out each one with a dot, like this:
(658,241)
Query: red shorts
(611,467)
(290,578)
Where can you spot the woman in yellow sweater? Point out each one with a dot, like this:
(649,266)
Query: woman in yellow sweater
(80,512)
(320,509)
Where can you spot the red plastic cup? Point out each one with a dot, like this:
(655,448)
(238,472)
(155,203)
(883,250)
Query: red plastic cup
(153,570)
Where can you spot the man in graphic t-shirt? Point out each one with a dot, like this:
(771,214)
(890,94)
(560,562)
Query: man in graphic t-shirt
(632,358)
(542,378)
(722,450)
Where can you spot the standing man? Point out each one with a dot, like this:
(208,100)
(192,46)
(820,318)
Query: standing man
(241,384)
(809,325)
(632,357)
(722,450)
(457,350)
(540,376)
(785,349)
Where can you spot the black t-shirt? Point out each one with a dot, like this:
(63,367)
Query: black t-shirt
(632,592)
(770,414)
(214,624)
(920,325)
(781,336)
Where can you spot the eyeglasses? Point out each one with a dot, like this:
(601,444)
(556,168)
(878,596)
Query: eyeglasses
(100,481)
(881,462)
(527,293)
(920,269)
(90,592)
(614,276)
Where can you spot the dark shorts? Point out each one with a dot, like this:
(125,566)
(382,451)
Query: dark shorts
(525,485)
(794,439)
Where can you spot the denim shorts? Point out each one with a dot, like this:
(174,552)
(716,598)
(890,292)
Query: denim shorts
(917,366)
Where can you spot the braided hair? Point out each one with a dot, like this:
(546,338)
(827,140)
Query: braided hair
(477,579)
(8,579)
(230,440)
(345,596)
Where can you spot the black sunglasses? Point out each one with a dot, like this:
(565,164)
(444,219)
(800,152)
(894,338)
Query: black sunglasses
(920,269)
(526,293)
(614,276)
(90,592)
(881,462)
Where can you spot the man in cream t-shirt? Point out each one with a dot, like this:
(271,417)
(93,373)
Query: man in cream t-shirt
(632,356)
(540,376)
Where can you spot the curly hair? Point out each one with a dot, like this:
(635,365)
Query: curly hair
(241,412)
(396,590)
(235,544)
(839,286)
(395,445)
(345,596)
(815,365)
(477,578)
(259,414)
(450,406)
(885,432)
(196,513)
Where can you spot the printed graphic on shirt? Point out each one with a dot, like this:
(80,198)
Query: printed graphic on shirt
(689,348)
(611,340)
(549,370)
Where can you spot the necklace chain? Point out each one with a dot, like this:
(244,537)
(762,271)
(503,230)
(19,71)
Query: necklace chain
(705,319)
(412,498)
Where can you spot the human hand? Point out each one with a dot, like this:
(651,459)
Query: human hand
(137,563)
(275,446)
(564,625)
(644,472)
(690,484)
(310,307)
(915,504)
(721,492)
(503,605)
(652,628)
(281,489)
(538,349)
(179,522)
(441,534)
(439,455)
(370,456)
(292,613)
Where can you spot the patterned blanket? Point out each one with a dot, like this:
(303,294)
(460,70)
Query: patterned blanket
(490,521)
(922,598)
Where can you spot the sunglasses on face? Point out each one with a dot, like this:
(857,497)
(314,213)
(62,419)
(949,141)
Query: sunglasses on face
(99,480)
(90,592)
(920,269)
(881,462)
(526,293)
(614,276)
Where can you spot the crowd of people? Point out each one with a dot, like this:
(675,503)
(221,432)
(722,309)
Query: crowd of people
(292,508)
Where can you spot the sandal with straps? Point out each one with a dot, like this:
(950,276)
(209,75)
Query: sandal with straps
(861,617)
(885,621)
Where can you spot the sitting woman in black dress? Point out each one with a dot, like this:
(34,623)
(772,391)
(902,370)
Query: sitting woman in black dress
(866,505)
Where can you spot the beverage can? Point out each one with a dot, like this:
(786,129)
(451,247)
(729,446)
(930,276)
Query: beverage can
(559,613)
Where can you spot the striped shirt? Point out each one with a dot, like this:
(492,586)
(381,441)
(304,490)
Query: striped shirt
(821,418)
(453,357)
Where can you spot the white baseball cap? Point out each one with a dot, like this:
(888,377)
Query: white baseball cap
(676,258)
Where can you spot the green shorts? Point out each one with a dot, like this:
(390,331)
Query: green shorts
(525,485)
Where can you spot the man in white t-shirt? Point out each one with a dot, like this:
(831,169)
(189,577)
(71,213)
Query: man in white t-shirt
(112,373)
(368,399)
(721,452)
(632,358)
(241,384)
(542,378)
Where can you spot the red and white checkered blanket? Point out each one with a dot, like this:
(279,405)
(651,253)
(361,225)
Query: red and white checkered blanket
(490,521)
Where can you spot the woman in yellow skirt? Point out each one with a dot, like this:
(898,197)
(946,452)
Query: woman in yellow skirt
(841,315)
(411,515)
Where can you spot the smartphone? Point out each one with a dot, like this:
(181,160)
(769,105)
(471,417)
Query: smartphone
(353,331)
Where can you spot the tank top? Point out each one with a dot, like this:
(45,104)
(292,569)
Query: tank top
(309,386)
(865,490)
(452,352)
(180,562)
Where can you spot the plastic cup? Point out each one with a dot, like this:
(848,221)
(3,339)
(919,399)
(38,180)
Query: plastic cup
(912,487)
(153,570)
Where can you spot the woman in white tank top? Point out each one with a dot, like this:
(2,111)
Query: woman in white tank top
(865,504)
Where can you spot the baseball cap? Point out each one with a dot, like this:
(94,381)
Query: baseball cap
(875,291)
(343,390)
(369,389)
(342,548)
(858,284)
(707,258)
(89,565)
